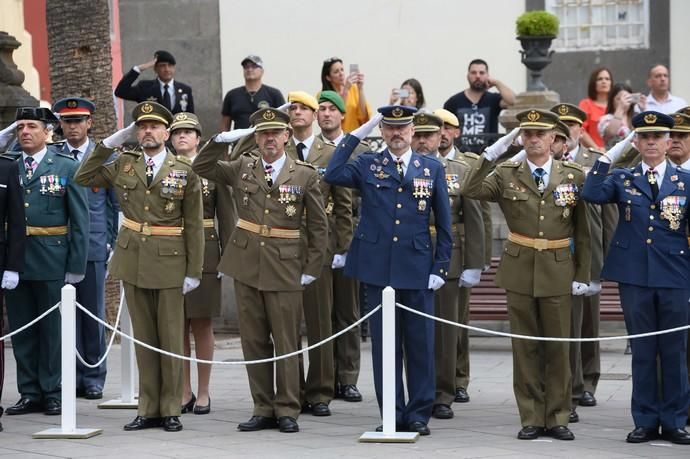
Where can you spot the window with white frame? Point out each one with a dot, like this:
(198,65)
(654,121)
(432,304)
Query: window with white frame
(599,25)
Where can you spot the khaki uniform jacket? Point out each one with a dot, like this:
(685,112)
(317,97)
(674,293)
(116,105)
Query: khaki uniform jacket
(269,263)
(153,262)
(525,270)
(472,159)
(337,200)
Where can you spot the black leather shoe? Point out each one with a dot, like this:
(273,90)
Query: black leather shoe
(530,433)
(93,393)
(257,423)
(573,417)
(286,424)
(461,395)
(306,408)
(189,406)
(350,393)
(320,409)
(677,436)
(642,435)
(24,406)
(420,427)
(142,422)
(442,412)
(587,399)
(198,409)
(560,433)
(172,424)
(52,407)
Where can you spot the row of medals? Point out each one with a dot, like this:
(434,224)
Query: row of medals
(55,183)
(288,196)
(422,191)
(173,186)
(565,195)
(672,210)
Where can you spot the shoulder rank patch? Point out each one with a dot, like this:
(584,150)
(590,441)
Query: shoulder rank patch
(470,154)
(304,163)
(183,160)
(135,153)
(596,151)
(65,155)
(510,163)
(572,165)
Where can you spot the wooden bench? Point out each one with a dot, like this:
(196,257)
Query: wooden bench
(488,302)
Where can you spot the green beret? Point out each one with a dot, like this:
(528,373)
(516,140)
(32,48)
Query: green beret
(334,98)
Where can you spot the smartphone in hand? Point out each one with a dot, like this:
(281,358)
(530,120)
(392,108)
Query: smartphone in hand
(354,68)
(403,93)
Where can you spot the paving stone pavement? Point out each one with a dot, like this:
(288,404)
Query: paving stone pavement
(486,427)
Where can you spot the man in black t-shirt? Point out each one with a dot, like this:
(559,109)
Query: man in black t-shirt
(477,109)
(241,102)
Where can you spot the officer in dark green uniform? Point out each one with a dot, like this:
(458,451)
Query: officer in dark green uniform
(57,226)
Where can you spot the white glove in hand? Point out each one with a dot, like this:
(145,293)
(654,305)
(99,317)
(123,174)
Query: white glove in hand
(435,282)
(499,147)
(189,284)
(339,261)
(284,107)
(579,288)
(617,150)
(522,154)
(233,136)
(73,278)
(307,279)
(7,134)
(219,275)
(10,279)
(120,137)
(470,277)
(364,130)
(594,288)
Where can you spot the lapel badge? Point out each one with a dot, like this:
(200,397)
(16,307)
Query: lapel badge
(626,182)
(681,186)
(421,206)
(385,161)
(373,167)
(427,173)
(674,178)
(50,160)
(416,163)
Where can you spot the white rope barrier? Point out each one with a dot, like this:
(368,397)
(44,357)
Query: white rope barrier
(24,327)
(110,344)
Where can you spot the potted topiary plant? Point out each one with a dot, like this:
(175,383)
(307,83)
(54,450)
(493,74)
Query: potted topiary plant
(536,30)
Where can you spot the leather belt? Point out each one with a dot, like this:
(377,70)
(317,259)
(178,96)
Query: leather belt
(209,223)
(539,244)
(453,229)
(46,230)
(148,230)
(268,231)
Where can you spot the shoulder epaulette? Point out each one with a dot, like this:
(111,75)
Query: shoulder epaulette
(470,154)
(184,160)
(572,165)
(135,153)
(596,151)
(510,163)
(304,163)
(251,154)
(457,160)
(65,155)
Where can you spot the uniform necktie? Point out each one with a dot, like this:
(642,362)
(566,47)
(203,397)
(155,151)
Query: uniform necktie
(651,178)
(300,151)
(29,163)
(539,174)
(166,97)
(149,171)
(399,167)
(269,175)
(566,156)
(75,153)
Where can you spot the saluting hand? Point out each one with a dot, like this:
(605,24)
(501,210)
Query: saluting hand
(364,130)
(7,134)
(493,152)
(617,150)
(233,136)
(120,137)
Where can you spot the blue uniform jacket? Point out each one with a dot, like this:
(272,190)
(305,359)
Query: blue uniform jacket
(392,243)
(647,249)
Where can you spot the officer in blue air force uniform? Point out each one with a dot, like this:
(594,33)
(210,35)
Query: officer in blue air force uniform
(650,259)
(392,246)
(75,120)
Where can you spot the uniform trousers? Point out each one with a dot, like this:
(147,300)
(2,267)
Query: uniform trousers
(345,313)
(414,338)
(269,325)
(446,306)
(158,320)
(462,368)
(37,349)
(585,364)
(91,334)
(541,369)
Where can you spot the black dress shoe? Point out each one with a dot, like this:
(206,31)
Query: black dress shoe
(172,424)
(442,412)
(93,393)
(306,408)
(350,393)
(530,433)
(320,409)
(257,423)
(142,422)
(560,433)
(198,409)
(461,395)
(587,399)
(286,424)
(420,427)
(642,435)
(573,417)
(189,406)
(52,407)
(24,406)
(677,436)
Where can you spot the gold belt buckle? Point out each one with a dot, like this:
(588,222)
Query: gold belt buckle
(541,244)
(265,230)
(146,229)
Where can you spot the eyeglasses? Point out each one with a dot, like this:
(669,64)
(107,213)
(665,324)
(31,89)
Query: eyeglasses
(331,60)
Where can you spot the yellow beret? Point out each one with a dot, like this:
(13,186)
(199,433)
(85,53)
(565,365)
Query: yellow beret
(447,117)
(303,98)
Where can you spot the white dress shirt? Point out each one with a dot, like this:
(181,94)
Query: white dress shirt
(405,159)
(670,105)
(660,172)
(157,161)
(81,148)
(307,144)
(277,166)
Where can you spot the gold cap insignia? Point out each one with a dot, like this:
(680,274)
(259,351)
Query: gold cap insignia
(180,117)
(146,108)
(72,104)
(563,110)
(269,115)
(533,116)
(650,118)
(397,112)
(422,119)
(677,119)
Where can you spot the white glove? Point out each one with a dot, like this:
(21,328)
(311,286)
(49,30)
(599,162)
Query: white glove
(307,279)
(219,275)
(486,268)
(593,289)
(522,154)
(617,150)
(120,137)
(470,277)
(284,107)
(7,134)
(10,279)
(339,261)
(362,131)
(435,282)
(233,136)
(579,288)
(189,284)
(73,278)
(501,145)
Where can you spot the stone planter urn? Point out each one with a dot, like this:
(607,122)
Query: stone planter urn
(536,55)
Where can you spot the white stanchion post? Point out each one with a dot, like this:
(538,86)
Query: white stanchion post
(388,435)
(68,427)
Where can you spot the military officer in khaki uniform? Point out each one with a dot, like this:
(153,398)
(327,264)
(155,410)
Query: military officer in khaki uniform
(158,254)
(546,258)
(277,199)
(466,261)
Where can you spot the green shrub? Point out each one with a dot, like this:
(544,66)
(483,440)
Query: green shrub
(536,23)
